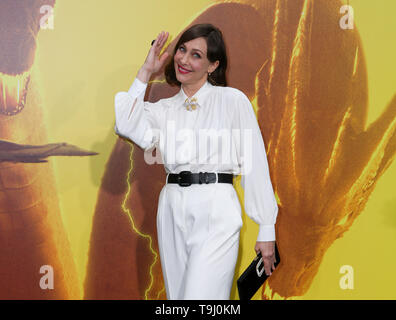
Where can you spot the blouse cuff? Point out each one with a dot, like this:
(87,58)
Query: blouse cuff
(137,88)
(266,233)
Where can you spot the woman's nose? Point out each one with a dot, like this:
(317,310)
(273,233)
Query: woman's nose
(184,59)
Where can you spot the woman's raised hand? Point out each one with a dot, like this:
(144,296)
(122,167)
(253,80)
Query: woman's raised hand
(154,62)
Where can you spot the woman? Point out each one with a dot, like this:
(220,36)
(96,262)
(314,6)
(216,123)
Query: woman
(199,214)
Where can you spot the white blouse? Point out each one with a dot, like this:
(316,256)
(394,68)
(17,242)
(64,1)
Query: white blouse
(220,135)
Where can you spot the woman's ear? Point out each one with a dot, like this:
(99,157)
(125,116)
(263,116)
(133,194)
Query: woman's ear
(213,66)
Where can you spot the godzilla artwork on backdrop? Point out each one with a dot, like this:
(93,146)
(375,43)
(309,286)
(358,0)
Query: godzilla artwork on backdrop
(310,92)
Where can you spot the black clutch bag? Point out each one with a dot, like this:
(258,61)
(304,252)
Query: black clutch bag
(253,277)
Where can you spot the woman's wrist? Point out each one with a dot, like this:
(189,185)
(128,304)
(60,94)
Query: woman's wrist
(144,75)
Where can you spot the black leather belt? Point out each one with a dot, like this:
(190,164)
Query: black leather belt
(186,178)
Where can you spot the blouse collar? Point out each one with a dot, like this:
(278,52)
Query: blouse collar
(199,95)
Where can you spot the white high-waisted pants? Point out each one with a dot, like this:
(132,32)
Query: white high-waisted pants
(198,235)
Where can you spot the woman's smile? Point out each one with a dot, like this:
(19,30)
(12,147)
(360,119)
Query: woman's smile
(183,70)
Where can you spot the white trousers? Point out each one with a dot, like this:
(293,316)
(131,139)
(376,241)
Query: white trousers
(198,234)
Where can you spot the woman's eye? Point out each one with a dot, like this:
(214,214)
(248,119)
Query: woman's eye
(184,49)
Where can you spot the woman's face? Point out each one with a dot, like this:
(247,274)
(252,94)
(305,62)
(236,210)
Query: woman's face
(191,62)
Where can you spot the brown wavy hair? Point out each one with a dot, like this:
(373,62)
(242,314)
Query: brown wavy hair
(216,51)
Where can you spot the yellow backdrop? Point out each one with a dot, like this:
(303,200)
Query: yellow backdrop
(95,50)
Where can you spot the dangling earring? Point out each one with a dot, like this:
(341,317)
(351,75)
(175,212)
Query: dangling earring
(211,80)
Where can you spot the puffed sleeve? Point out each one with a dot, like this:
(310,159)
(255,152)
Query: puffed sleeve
(259,198)
(136,119)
